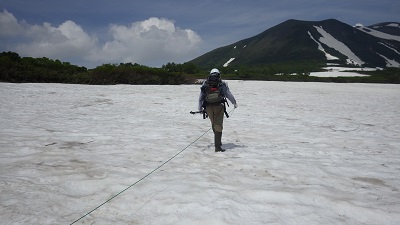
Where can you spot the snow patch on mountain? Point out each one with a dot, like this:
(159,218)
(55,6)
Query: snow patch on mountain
(359,25)
(387,25)
(390,47)
(229,61)
(393,25)
(379,34)
(328,56)
(332,42)
(390,62)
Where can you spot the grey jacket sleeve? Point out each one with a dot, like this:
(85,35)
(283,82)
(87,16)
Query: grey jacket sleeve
(228,93)
(201,98)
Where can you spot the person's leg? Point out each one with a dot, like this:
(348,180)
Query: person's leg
(218,142)
(216,114)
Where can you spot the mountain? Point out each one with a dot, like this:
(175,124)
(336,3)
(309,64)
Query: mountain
(327,41)
(391,28)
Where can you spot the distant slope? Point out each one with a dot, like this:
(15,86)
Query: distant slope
(392,28)
(320,41)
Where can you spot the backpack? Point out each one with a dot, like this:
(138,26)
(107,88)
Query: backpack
(213,90)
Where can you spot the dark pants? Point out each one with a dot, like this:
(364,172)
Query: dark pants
(216,115)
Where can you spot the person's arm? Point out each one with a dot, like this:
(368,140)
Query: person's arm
(229,95)
(201,98)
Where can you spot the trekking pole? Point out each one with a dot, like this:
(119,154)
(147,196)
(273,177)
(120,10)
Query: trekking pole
(202,111)
(191,112)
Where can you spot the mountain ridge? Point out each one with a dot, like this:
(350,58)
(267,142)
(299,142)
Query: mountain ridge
(326,41)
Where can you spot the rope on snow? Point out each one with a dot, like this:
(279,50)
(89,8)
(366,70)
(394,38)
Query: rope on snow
(144,177)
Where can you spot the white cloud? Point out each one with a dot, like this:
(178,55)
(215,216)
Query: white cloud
(9,25)
(151,42)
(154,41)
(66,41)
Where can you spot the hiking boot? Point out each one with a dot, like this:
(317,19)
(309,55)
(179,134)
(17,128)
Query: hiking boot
(219,150)
(218,142)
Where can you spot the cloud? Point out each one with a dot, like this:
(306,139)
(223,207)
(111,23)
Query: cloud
(154,40)
(150,42)
(9,25)
(66,41)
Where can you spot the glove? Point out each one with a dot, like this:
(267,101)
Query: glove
(235,105)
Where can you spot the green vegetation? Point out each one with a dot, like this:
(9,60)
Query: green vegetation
(16,69)
(128,73)
(13,68)
(388,75)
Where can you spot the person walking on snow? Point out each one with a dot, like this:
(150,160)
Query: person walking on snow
(212,99)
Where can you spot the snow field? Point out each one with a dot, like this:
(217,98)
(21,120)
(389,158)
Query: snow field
(297,153)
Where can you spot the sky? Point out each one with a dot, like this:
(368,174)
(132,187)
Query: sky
(93,32)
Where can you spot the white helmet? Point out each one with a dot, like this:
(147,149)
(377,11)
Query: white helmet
(215,72)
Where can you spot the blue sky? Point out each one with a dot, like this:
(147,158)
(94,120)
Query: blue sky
(92,32)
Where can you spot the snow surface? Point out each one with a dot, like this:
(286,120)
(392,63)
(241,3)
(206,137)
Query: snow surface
(332,42)
(297,153)
(337,71)
(341,69)
(339,74)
